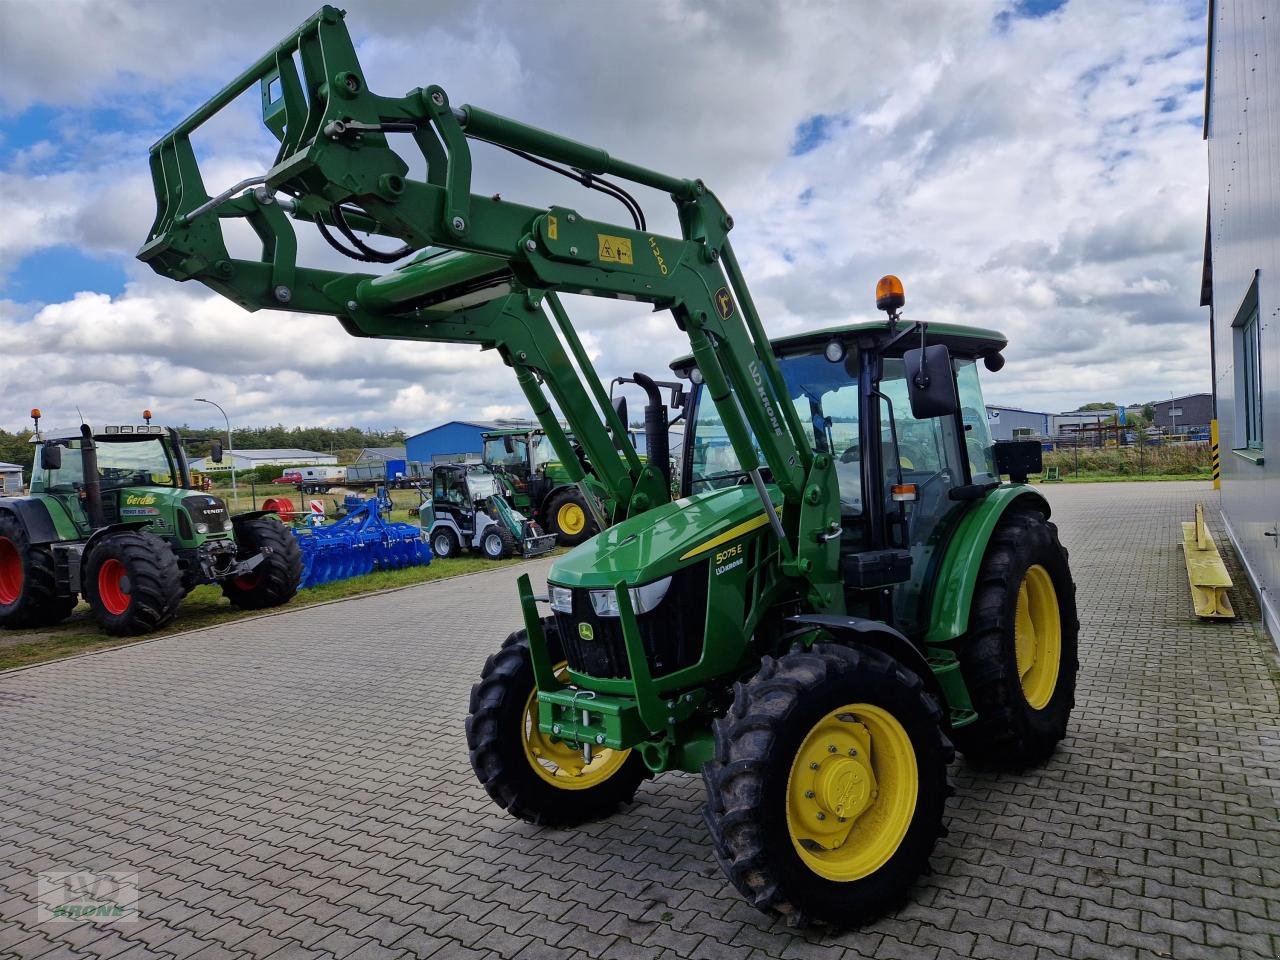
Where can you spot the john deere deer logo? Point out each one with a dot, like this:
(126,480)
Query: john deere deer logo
(724,303)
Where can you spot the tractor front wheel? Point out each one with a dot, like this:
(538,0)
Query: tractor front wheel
(569,518)
(825,793)
(444,544)
(1019,658)
(533,775)
(133,583)
(273,581)
(28,587)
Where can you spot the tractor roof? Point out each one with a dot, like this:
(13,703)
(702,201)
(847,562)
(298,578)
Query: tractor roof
(963,341)
(110,434)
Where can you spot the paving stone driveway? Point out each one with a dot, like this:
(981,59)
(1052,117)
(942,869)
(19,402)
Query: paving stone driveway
(298,786)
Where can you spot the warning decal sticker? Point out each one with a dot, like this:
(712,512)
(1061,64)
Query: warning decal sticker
(615,249)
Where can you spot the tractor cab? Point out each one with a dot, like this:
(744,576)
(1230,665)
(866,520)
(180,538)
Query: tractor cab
(905,479)
(113,474)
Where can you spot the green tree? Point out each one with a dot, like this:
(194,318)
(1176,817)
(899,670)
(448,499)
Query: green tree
(1099,405)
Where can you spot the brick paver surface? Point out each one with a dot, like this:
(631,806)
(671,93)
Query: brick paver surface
(298,786)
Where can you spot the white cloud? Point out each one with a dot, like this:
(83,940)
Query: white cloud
(1046,179)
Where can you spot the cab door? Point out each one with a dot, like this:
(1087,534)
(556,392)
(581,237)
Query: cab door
(931,456)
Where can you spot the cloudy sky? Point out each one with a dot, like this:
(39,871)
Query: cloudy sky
(1034,166)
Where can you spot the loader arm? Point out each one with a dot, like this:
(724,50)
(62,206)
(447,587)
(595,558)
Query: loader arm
(484,268)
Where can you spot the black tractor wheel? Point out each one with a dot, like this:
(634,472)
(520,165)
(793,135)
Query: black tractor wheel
(444,543)
(28,587)
(498,542)
(569,518)
(273,581)
(825,793)
(1019,658)
(529,774)
(132,583)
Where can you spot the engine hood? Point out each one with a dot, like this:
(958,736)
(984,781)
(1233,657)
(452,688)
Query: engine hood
(660,541)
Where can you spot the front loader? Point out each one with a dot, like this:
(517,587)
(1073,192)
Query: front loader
(845,587)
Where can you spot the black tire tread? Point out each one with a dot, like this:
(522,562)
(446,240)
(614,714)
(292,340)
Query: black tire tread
(567,495)
(501,771)
(1002,737)
(744,746)
(155,582)
(280,569)
(40,604)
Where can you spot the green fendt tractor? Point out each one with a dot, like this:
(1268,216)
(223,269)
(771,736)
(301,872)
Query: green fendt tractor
(846,587)
(113,516)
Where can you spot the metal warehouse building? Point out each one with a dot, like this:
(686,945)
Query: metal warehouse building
(1241,283)
(271,457)
(449,441)
(10,478)
(1004,421)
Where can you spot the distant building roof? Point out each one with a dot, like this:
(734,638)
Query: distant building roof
(8,467)
(277,453)
(381,453)
(1001,406)
(500,424)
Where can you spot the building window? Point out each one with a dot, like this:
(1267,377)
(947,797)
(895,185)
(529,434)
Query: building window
(1248,350)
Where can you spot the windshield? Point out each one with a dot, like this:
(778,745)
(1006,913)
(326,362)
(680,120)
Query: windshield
(496,452)
(134,463)
(826,398)
(121,463)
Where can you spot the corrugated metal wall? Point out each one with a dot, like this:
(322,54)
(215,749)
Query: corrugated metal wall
(1243,129)
(447,439)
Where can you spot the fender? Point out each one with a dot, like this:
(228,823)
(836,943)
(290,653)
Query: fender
(97,536)
(34,517)
(881,636)
(958,572)
(240,518)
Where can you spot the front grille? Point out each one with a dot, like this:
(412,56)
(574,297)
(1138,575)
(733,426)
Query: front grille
(672,632)
(210,510)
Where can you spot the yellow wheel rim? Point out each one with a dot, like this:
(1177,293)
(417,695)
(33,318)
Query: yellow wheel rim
(556,762)
(570,518)
(851,792)
(1038,637)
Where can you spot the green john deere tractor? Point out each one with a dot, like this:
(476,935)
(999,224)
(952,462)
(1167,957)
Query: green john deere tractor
(112,515)
(540,486)
(845,588)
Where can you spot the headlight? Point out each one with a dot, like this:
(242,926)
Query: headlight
(202,528)
(643,599)
(561,598)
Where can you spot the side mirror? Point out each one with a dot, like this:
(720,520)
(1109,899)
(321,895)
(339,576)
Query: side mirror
(51,457)
(509,444)
(620,408)
(931,383)
(215,451)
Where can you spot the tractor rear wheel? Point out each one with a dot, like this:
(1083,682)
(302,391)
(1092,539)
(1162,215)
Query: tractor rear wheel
(530,774)
(132,583)
(825,793)
(28,587)
(1019,658)
(498,542)
(569,518)
(273,581)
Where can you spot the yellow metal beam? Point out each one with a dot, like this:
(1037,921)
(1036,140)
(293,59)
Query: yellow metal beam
(1205,570)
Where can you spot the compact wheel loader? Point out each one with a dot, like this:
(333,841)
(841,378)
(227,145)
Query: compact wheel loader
(845,588)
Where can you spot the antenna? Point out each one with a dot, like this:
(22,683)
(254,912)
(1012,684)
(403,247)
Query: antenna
(80,415)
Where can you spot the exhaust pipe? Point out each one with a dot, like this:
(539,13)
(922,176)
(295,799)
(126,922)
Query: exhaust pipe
(92,485)
(657,439)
